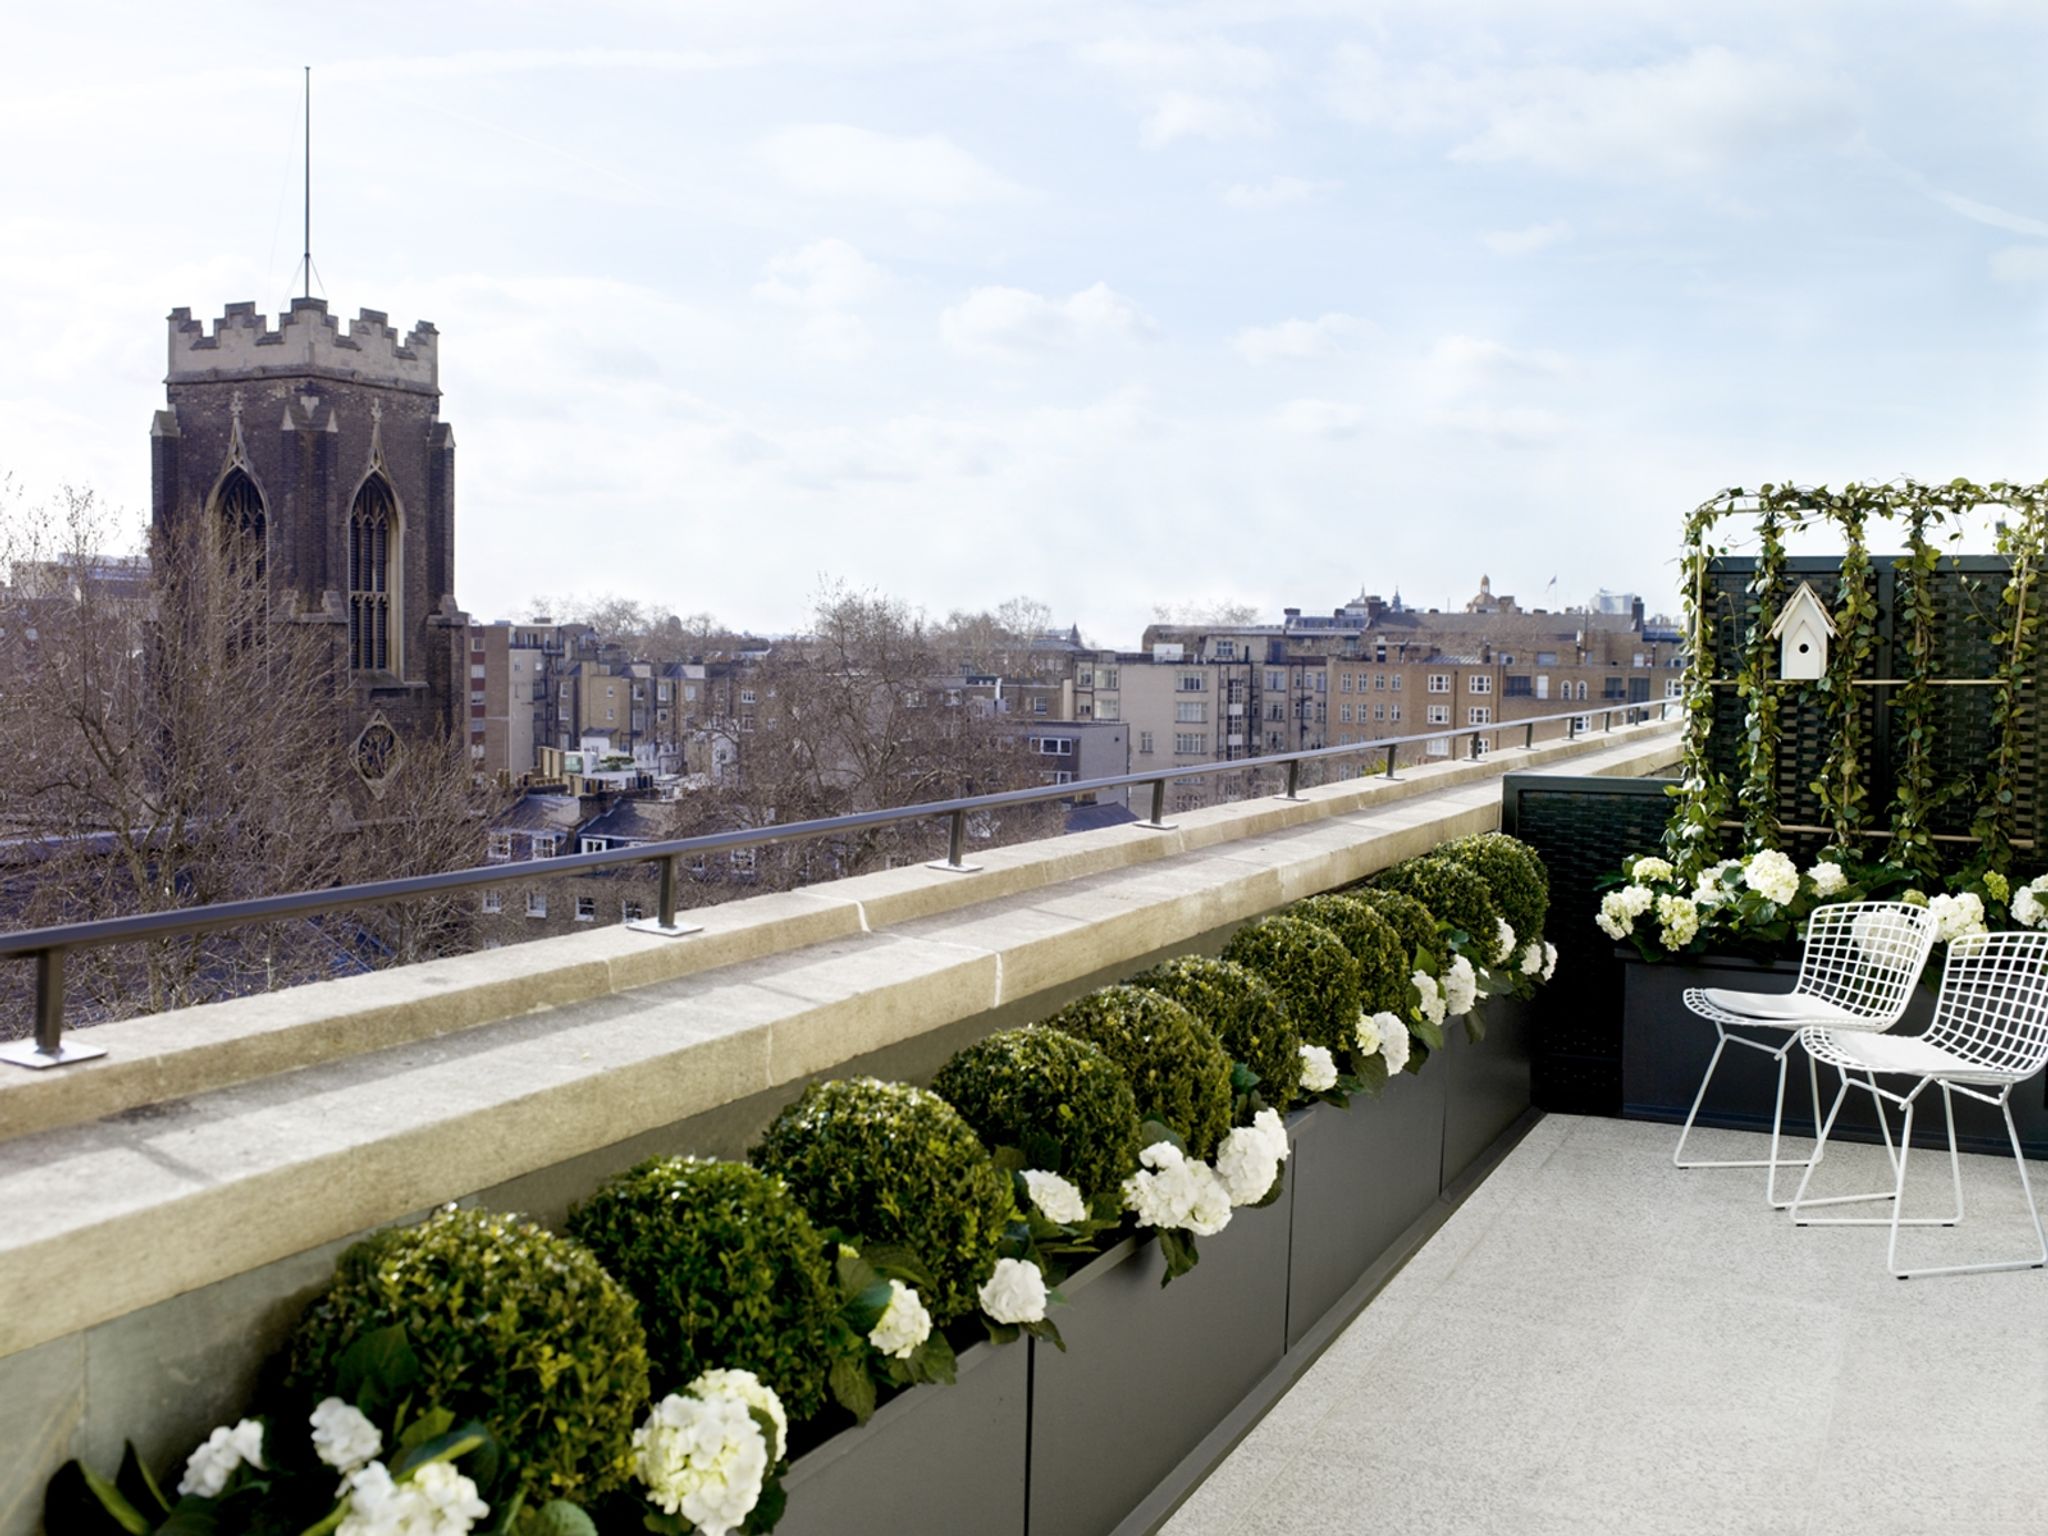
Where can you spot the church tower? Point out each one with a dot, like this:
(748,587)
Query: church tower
(329,450)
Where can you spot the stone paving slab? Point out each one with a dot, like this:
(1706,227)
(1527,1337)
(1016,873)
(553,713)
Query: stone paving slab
(1597,1341)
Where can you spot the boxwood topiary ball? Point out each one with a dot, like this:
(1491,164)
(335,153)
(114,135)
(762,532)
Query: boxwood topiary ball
(1411,920)
(728,1271)
(1455,894)
(888,1163)
(1515,875)
(1245,1014)
(1176,1066)
(1311,970)
(1374,944)
(513,1326)
(1040,1087)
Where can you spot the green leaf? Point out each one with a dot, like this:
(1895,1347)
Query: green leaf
(137,1486)
(77,1499)
(558,1517)
(429,1425)
(852,1388)
(377,1370)
(1431,1035)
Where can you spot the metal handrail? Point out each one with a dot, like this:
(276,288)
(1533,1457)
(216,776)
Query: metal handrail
(48,946)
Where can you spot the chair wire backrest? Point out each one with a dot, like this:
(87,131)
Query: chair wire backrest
(1993,1010)
(1865,956)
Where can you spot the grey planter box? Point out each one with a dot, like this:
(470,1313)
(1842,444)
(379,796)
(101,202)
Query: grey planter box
(932,1459)
(1361,1177)
(1665,1049)
(1147,1372)
(1486,1086)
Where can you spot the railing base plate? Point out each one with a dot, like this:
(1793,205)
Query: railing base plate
(954,869)
(1156,826)
(23,1053)
(653,925)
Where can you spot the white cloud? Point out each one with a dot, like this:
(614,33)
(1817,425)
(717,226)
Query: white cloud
(1508,427)
(1520,242)
(1320,418)
(826,274)
(839,160)
(1279,192)
(1462,365)
(2020,264)
(1195,88)
(1986,213)
(1687,115)
(1301,340)
(998,321)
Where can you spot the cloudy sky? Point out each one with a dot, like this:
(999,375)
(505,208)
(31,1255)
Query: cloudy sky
(1111,305)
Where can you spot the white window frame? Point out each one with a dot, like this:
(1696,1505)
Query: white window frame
(493,900)
(536,903)
(1479,682)
(1439,714)
(1479,714)
(586,909)
(1439,682)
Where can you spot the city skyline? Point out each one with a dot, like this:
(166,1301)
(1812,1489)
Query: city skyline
(1106,307)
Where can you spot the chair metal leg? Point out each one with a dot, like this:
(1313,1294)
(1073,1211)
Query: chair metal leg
(1773,1162)
(2019,1158)
(1878,1096)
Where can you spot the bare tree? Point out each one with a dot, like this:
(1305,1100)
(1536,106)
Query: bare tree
(175,741)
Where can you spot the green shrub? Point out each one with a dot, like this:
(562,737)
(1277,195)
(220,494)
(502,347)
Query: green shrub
(1374,943)
(1039,1087)
(1515,875)
(1245,1014)
(1176,1066)
(1311,970)
(888,1163)
(727,1269)
(1456,896)
(512,1325)
(1414,922)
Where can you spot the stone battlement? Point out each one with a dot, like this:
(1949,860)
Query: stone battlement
(307,340)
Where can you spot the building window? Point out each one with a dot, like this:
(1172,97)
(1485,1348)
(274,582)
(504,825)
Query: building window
(1057,776)
(476,671)
(1276,680)
(1226,650)
(1519,686)
(631,912)
(1343,682)
(546,845)
(1479,682)
(373,543)
(1580,724)
(1145,742)
(1190,743)
(494,901)
(1394,713)
(1439,682)
(1611,688)
(1038,705)
(1191,712)
(1439,714)
(743,861)
(536,903)
(1437,747)
(1396,684)
(592,845)
(1343,714)
(1674,689)
(1479,714)
(1546,658)
(1379,711)
(586,909)
(746,695)
(1193,682)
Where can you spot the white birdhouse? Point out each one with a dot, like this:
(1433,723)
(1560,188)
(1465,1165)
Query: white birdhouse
(1803,630)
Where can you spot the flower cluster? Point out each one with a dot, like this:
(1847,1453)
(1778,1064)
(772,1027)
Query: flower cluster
(1015,1292)
(703,1456)
(1056,1198)
(1461,987)
(430,1500)
(343,1436)
(1318,1069)
(1773,876)
(1431,1004)
(1678,920)
(1620,909)
(1367,1033)
(208,1469)
(1503,942)
(1249,1160)
(1828,878)
(1957,917)
(1532,959)
(903,1325)
(2029,909)
(1394,1041)
(1177,1191)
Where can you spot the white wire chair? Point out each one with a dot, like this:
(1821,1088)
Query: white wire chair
(1856,972)
(1990,1032)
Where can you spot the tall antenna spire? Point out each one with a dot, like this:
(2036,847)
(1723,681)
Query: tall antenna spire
(309,182)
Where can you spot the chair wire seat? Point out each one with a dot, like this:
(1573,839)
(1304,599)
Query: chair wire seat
(1857,968)
(1990,1032)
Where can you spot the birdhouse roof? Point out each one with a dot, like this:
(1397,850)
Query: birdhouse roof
(1805,603)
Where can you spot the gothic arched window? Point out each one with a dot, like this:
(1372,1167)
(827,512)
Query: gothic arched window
(239,506)
(373,546)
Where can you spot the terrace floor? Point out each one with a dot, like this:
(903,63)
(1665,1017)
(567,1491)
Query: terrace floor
(1599,1342)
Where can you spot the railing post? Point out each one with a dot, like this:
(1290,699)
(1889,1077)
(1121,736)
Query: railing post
(666,922)
(1607,720)
(1571,728)
(956,848)
(1393,752)
(1293,779)
(48,1048)
(1475,746)
(1529,737)
(1158,823)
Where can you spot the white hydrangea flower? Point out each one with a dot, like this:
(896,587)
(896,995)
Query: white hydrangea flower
(1432,1004)
(1366,1032)
(1461,987)
(1773,876)
(705,1460)
(1175,1190)
(1712,889)
(1650,868)
(2028,910)
(1827,877)
(1620,909)
(436,1500)
(1246,1164)
(208,1468)
(376,1505)
(1549,960)
(449,1499)
(1318,1069)
(1957,916)
(1269,1124)
(1503,941)
(1394,1042)
(344,1437)
(903,1325)
(752,1391)
(1056,1198)
(1015,1293)
(1679,921)
(1532,958)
